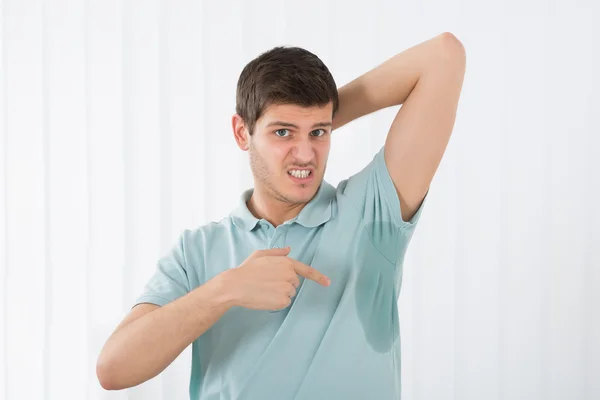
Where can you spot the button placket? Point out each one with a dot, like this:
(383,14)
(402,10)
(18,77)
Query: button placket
(276,242)
(278,239)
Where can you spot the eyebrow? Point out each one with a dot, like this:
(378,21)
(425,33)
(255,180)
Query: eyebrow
(290,125)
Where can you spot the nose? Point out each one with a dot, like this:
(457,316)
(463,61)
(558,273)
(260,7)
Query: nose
(303,151)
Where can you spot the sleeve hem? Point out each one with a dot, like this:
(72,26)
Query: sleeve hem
(152,299)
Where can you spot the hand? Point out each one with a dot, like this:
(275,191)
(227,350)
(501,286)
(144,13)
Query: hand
(268,279)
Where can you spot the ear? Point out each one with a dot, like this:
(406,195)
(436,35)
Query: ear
(240,133)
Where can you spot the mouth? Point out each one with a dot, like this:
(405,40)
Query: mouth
(301,175)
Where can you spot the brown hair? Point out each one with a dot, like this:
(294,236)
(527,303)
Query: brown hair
(283,75)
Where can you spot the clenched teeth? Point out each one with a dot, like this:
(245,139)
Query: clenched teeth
(299,173)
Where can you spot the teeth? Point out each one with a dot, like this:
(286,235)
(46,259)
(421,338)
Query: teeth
(299,173)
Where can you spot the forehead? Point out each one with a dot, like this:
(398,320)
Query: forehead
(299,115)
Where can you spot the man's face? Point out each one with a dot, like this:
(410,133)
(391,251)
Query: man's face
(289,149)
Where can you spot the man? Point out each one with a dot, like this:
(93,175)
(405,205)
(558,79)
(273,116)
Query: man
(294,294)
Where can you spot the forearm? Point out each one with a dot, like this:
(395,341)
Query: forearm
(390,83)
(143,348)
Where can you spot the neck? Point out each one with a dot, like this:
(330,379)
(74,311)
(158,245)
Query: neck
(265,206)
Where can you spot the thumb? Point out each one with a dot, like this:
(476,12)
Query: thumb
(275,251)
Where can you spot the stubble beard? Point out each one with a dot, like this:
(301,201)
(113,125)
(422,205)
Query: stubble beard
(262,174)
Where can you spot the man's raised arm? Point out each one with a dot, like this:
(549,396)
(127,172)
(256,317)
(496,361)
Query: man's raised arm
(427,80)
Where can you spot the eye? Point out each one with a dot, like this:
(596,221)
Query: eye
(319,132)
(282,132)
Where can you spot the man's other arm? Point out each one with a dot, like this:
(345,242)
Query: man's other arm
(151,337)
(427,80)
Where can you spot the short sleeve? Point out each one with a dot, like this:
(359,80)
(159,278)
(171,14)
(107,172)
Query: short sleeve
(170,279)
(373,193)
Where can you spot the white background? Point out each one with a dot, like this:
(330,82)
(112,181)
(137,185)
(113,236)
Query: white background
(115,135)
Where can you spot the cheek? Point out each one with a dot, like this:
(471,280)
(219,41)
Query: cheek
(279,153)
(274,156)
(322,151)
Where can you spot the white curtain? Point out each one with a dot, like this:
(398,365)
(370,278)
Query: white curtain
(115,135)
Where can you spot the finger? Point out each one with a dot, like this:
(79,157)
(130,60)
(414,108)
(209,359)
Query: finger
(287,289)
(273,252)
(294,280)
(310,273)
(292,291)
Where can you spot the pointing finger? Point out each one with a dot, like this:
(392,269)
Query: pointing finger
(310,273)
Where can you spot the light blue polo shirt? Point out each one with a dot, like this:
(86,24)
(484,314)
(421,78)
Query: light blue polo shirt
(336,342)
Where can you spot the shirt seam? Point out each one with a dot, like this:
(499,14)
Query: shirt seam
(139,300)
(183,258)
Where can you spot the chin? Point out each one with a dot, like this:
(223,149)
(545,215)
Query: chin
(302,193)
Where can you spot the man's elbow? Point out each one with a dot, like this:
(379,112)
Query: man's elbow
(452,47)
(106,376)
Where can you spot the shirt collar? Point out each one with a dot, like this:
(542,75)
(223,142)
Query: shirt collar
(315,213)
